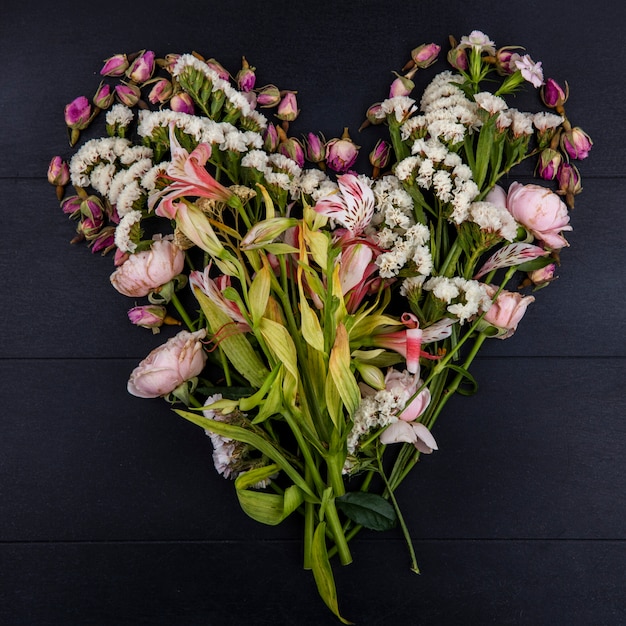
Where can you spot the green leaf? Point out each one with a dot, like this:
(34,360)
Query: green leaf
(323,573)
(367,509)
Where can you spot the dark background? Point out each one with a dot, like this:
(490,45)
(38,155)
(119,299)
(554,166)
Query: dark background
(110,509)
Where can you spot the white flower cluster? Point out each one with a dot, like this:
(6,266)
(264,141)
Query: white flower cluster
(394,229)
(493,219)
(464,298)
(122,231)
(119,115)
(435,167)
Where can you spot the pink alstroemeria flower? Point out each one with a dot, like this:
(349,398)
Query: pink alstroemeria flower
(352,206)
(213,288)
(188,177)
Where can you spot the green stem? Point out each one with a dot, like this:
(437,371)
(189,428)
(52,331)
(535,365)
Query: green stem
(182,312)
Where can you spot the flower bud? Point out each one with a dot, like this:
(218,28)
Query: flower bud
(542,276)
(161,91)
(401,86)
(246,77)
(148,316)
(128,95)
(104,96)
(71,206)
(142,67)
(576,143)
(549,163)
(169,61)
(341,153)
(379,156)
(375,115)
(505,60)
(271,139)
(92,209)
(58,172)
(569,183)
(182,103)
(457,58)
(315,148)
(288,108)
(553,95)
(90,227)
(115,65)
(105,240)
(78,113)
(425,55)
(268,96)
(292,148)
(218,68)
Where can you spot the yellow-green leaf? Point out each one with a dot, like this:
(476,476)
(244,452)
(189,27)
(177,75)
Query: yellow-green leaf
(259,294)
(310,324)
(339,370)
(280,343)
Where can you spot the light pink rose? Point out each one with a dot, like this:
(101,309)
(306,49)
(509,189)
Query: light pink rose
(507,311)
(145,271)
(167,367)
(540,211)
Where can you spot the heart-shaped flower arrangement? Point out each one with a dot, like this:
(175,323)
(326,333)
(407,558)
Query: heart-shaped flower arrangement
(337,312)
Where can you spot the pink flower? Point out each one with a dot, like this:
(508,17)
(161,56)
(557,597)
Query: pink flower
(189,178)
(148,316)
(182,103)
(78,113)
(413,432)
(288,108)
(553,95)
(341,153)
(404,386)
(128,95)
(530,70)
(142,67)
(352,207)
(58,171)
(161,91)
(407,342)
(576,142)
(167,367)
(507,310)
(145,271)
(425,55)
(540,211)
(357,270)
(115,65)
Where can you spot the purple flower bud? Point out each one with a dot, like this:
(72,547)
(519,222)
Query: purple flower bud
(425,55)
(315,148)
(288,108)
(71,206)
(576,143)
(170,61)
(553,95)
(569,182)
(104,96)
(58,172)
(268,96)
(543,276)
(89,228)
(457,57)
(128,95)
(142,67)
(219,68)
(182,103)
(161,91)
(78,113)
(246,77)
(115,65)
(92,209)
(401,86)
(271,139)
(104,241)
(379,156)
(505,58)
(549,163)
(341,153)
(293,149)
(148,316)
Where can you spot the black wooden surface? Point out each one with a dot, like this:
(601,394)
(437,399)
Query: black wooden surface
(111,511)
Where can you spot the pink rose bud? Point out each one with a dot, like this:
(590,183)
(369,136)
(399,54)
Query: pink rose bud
(288,108)
(104,96)
(543,276)
(375,115)
(115,65)
(170,365)
(401,86)
(457,58)
(379,156)
(425,55)
(246,78)
(78,113)
(549,163)
(268,96)
(271,140)
(90,227)
(505,61)
(148,316)
(293,149)
(105,240)
(576,143)
(553,95)
(128,95)
(148,270)
(71,206)
(170,61)
(182,103)
(540,211)
(507,311)
(161,91)
(58,172)
(217,67)
(341,153)
(92,208)
(569,183)
(315,148)
(142,67)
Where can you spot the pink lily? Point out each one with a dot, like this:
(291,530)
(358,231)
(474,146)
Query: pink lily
(189,178)
(352,206)
(410,432)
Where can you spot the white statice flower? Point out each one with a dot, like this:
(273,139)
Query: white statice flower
(119,115)
(547,121)
(149,179)
(326,188)
(256,160)
(490,102)
(101,177)
(93,152)
(423,260)
(521,123)
(390,263)
(127,197)
(401,107)
(464,298)
(412,285)
(134,154)
(284,164)
(386,238)
(281,180)
(310,180)
(442,185)
(405,168)
(492,218)
(414,125)
(122,231)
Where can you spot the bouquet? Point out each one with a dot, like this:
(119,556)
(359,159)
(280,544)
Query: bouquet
(321,317)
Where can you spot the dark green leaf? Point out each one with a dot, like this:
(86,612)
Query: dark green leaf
(367,509)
